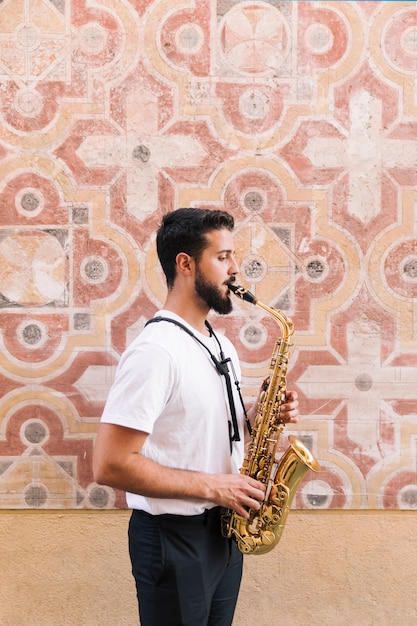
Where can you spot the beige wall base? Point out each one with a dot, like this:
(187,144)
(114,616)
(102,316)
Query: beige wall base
(330,569)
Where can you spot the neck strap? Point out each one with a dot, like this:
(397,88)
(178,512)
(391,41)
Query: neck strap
(221,368)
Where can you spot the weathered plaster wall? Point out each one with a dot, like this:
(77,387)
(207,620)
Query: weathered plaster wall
(301,119)
(330,569)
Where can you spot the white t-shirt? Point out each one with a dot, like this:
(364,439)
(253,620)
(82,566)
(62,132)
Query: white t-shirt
(166,385)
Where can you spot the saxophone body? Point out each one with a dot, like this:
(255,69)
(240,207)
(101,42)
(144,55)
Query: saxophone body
(262,531)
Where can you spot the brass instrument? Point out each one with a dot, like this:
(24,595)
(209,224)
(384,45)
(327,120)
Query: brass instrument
(262,531)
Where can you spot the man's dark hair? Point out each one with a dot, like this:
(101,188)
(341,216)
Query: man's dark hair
(184,230)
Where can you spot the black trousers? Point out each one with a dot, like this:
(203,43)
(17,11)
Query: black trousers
(186,573)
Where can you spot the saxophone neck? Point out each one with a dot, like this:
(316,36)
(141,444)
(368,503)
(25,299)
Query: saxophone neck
(285,322)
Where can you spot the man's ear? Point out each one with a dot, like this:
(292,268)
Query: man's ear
(185,263)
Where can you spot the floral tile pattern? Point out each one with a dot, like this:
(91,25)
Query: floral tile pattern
(300,118)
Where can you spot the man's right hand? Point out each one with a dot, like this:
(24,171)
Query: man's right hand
(236,491)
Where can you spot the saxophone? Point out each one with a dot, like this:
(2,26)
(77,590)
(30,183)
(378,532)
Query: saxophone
(262,531)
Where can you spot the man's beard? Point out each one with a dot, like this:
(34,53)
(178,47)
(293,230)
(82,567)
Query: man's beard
(212,295)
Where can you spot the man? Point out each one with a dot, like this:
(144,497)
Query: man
(172,433)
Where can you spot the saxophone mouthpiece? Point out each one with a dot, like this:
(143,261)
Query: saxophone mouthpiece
(242,293)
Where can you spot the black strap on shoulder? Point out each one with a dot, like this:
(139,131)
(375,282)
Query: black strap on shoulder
(218,364)
(222,369)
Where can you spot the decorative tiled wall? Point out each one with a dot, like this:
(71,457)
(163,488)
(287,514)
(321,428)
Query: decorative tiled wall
(300,118)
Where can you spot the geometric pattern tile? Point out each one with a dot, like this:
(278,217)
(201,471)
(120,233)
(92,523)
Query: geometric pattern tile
(300,118)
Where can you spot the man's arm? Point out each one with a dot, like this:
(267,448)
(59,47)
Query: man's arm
(118,463)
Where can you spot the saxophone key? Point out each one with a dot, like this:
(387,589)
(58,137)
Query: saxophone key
(246,545)
(268,538)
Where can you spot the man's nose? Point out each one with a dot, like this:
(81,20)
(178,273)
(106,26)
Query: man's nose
(234,267)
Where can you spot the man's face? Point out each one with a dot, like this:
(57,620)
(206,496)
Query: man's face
(215,270)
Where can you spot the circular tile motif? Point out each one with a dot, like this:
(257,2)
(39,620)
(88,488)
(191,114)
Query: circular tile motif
(189,38)
(29,202)
(400,268)
(254,268)
(363,382)
(36,496)
(34,432)
(318,38)
(253,335)
(254,38)
(28,102)
(94,270)
(407,497)
(93,38)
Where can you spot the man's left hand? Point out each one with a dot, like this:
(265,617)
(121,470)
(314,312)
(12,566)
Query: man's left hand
(289,409)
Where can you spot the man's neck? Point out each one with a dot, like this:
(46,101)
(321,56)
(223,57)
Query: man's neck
(189,311)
